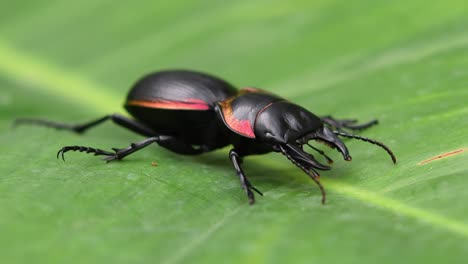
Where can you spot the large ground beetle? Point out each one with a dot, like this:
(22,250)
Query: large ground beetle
(191,113)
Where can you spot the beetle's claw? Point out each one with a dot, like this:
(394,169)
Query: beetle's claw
(248,190)
(62,153)
(251,196)
(89,150)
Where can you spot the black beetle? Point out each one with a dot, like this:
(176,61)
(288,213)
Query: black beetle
(191,113)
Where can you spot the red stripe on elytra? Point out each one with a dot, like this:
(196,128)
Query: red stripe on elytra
(189,104)
(241,126)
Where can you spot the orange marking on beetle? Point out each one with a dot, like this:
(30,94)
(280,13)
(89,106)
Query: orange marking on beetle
(249,90)
(246,90)
(189,104)
(242,127)
(442,156)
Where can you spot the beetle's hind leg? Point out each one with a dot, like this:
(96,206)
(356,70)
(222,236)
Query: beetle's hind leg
(120,120)
(168,142)
(351,124)
(95,151)
(117,154)
(246,185)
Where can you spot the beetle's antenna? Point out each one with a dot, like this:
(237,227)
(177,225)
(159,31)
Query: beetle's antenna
(380,144)
(313,174)
(329,160)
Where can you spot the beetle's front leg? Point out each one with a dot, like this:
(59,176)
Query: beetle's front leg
(246,185)
(340,124)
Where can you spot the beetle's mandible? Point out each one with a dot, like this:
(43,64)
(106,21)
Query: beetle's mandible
(191,113)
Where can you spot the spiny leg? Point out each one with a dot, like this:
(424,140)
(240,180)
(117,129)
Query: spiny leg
(168,142)
(246,185)
(122,153)
(118,154)
(120,120)
(95,151)
(340,124)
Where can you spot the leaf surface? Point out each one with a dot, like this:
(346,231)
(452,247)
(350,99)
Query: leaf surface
(401,62)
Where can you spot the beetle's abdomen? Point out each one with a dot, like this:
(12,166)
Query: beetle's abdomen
(172,121)
(180,103)
(179,89)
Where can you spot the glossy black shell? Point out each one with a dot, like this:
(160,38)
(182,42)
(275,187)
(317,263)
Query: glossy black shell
(196,127)
(285,122)
(272,118)
(179,85)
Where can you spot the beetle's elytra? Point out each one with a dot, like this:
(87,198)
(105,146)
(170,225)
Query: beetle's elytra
(190,113)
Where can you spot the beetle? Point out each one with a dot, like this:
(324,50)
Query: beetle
(191,112)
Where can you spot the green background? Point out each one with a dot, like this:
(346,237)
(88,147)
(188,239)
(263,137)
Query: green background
(403,62)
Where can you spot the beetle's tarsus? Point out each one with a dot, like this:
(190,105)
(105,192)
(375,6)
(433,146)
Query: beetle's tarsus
(246,185)
(88,150)
(342,124)
(251,199)
(362,126)
(250,195)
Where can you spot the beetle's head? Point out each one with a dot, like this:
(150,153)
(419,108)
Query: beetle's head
(288,127)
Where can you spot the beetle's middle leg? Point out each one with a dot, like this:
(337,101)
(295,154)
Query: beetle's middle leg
(340,124)
(246,185)
(168,142)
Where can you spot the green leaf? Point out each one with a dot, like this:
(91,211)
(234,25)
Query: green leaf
(401,62)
